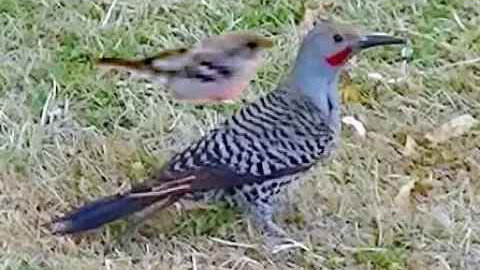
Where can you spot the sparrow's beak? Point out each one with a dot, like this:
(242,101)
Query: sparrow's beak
(379,39)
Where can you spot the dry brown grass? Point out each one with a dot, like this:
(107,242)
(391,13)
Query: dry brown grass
(68,135)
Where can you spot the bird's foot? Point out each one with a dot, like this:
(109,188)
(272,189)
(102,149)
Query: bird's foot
(278,240)
(285,245)
(271,229)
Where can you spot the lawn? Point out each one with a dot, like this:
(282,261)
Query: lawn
(389,200)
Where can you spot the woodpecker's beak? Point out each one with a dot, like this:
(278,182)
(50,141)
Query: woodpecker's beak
(379,39)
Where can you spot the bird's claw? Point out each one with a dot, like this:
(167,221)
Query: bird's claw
(277,245)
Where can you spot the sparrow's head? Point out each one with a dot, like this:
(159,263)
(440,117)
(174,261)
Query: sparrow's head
(335,44)
(242,44)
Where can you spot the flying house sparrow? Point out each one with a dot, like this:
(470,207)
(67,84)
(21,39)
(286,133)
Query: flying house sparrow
(216,69)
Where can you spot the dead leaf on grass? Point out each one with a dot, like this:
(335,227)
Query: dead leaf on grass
(454,128)
(357,125)
(350,91)
(413,193)
(410,146)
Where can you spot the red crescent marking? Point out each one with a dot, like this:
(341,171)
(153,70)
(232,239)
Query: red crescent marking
(340,57)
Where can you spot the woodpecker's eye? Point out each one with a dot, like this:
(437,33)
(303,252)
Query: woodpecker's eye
(252,45)
(337,38)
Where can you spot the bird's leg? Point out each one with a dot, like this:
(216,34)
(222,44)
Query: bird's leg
(263,217)
(277,240)
(285,201)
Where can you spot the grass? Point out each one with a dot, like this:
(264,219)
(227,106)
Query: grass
(69,134)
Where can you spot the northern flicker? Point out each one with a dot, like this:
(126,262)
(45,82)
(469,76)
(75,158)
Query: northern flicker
(216,69)
(257,152)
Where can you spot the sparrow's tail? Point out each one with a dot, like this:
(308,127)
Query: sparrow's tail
(121,63)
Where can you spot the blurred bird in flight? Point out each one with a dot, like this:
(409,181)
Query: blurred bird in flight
(216,69)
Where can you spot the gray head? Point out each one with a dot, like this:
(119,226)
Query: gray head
(324,51)
(333,44)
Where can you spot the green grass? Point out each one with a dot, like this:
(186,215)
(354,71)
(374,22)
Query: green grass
(69,133)
(389,259)
(214,221)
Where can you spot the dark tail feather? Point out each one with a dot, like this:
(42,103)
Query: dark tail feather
(100,212)
(121,63)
